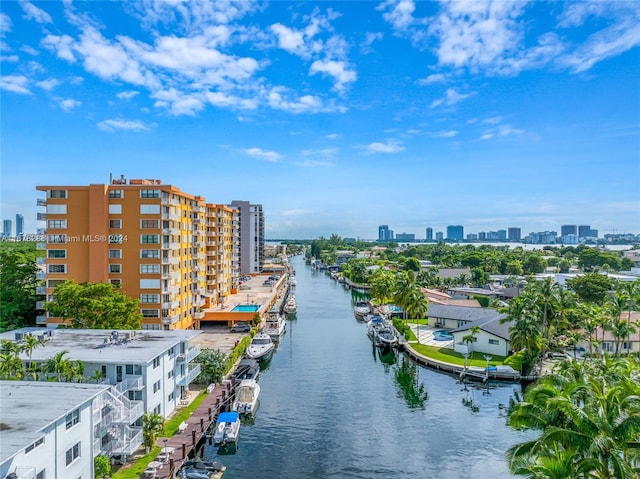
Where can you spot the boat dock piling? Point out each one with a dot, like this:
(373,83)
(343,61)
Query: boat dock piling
(178,447)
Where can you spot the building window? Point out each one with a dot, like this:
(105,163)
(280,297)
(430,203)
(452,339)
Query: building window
(150,298)
(156,386)
(149,284)
(149,253)
(72,418)
(116,283)
(149,193)
(170,374)
(42,474)
(52,283)
(135,395)
(116,193)
(156,409)
(57,268)
(494,341)
(115,209)
(150,313)
(156,362)
(57,239)
(73,453)
(115,253)
(57,224)
(115,268)
(149,268)
(133,369)
(115,224)
(57,253)
(61,194)
(149,239)
(149,209)
(56,209)
(170,397)
(31,447)
(146,224)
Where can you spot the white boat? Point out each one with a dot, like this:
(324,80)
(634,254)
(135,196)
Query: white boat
(381,332)
(274,325)
(361,309)
(246,401)
(227,428)
(290,306)
(261,347)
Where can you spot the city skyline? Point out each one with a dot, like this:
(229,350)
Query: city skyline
(334,116)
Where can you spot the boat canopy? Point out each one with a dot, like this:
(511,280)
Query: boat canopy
(228,417)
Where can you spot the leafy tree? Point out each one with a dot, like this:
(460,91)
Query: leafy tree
(10,363)
(152,424)
(591,287)
(412,264)
(534,264)
(94,306)
(591,259)
(515,268)
(101,466)
(17,288)
(382,285)
(212,366)
(564,266)
(58,364)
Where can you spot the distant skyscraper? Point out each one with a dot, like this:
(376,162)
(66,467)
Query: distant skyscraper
(405,237)
(585,231)
(429,236)
(251,226)
(439,236)
(455,233)
(383,233)
(568,230)
(514,234)
(7,228)
(19,225)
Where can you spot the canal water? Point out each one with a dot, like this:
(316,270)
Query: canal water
(332,407)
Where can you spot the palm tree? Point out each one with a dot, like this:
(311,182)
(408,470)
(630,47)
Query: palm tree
(382,286)
(152,424)
(404,286)
(588,413)
(470,338)
(30,343)
(58,364)
(416,305)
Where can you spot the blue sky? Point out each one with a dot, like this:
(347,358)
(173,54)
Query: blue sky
(335,116)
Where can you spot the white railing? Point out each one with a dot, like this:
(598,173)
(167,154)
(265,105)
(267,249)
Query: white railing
(192,373)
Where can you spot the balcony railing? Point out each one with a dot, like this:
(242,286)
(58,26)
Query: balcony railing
(41,319)
(41,290)
(198,315)
(41,202)
(170,304)
(190,355)
(171,319)
(192,373)
(41,246)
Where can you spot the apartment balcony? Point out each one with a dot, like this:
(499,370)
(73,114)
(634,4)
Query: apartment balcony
(130,443)
(41,260)
(170,231)
(171,305)
(41,216)
(41,319)
(41,246)
(171,319)
(41,202)
(201,209)
(190,355)
(212,282)
(40,304)
(174,202)
(198,221)
(170,216)
(198,315)
(171,290)
(41,290)
(192,373)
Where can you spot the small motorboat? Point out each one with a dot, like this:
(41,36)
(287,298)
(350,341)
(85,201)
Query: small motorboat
(274,325)
(261,347)
(199,469)
(247,369)
(361,309)
(290,307)
(227,428)
(246,400)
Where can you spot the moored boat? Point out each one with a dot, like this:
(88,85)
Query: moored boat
(247,369)
(361,309)
(227,428)
(274,325)
(199,469)
(290,307)
(261,347)
(246,400)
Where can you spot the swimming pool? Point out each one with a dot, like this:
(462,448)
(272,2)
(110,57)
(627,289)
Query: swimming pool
(245,308)
(442,335)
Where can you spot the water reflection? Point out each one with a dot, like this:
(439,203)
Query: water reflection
(409,386)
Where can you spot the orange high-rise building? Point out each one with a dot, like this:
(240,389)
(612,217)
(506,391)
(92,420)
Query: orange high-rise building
(169,249)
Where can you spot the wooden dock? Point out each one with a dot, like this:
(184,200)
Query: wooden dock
(192,433)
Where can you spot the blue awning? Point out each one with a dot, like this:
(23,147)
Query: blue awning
(228,417)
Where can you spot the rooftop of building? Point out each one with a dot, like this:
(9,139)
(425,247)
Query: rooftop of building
(45,402)
(102,345)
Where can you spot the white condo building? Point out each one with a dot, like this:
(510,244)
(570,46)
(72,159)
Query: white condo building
(147,371)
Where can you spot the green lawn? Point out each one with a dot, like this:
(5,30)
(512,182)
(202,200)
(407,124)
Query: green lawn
(135,470)
(452,357)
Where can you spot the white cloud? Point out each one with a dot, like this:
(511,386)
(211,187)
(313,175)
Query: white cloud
(31,12)
(369,38)
(399,13)
(30,50)
(500,131)
(9,58)
(333,136)
(335,69)
(178,103)
(390,146)
(445,134)
(118,124)
(288,39)
(451,98)
(433,78)
(14,83)
(61,45)
(304,104)
(270,156)
(68,104)
(492,120)
(48,84)
(5,24)
(326,152)
(127,95)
